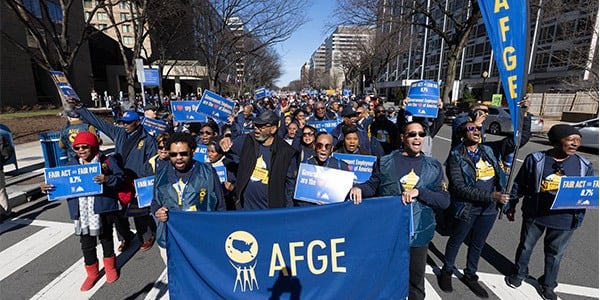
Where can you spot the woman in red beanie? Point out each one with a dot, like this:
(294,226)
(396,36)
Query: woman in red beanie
(95,215)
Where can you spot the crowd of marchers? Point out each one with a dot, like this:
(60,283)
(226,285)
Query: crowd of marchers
(262,144)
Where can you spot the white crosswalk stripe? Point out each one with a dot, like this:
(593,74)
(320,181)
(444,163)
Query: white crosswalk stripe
(66,285)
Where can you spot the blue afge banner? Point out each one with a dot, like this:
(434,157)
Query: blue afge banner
(576,192)
(507,25)
(292,253)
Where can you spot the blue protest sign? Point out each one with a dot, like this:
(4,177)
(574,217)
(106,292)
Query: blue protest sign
(222,172)
(508,31)
(154,126)
(347,93)
(575,192)
(201,153)
(423,99)
(260,93)
(216,106)
(327,125)
(187,111)
(73,181)
(144,188)
(63,85)
(321,184)
(360,165)
(151,77)
(238,255)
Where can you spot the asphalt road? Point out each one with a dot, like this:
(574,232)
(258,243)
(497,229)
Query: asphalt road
(40,258)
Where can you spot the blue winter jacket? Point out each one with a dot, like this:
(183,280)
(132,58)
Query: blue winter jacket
(528,182)
(431,194)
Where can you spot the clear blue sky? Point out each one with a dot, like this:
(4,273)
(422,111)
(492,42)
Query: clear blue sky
(300,46)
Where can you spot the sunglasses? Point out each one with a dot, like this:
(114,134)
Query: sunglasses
(320,108)
(413,134)
(321,146)
(182,154)
(77,148)
(262,126)
(307,134)
(472,128)
(206,132)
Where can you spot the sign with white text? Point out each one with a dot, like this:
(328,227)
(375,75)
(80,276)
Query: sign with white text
(154,126)
(73,181)
(360,165)
(326,126)
(216,106)
(576,192)
(187,111)
(201,153)
(423,97)
(321,184)
(144,188)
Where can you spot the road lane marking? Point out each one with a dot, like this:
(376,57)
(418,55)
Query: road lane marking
(22,253)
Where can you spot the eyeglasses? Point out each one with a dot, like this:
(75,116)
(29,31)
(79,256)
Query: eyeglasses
(320,108)
(472,128)
(308,134)
(321,146)
(77,148)
(182,154)
(413,134)
(206,132)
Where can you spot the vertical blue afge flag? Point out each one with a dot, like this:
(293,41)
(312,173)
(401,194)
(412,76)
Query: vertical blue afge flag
(333,251)
(507,25)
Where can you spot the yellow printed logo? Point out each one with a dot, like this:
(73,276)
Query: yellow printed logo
(202,194)
(140,145)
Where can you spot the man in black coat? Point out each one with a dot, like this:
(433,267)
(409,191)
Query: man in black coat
(266,165)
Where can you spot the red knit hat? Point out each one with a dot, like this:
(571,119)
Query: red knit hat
(86,138)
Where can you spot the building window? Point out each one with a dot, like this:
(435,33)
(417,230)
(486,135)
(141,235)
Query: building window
(88,4)
(124,16)
(127,40)
(126,28)
(88,15)
(100,26)
(101,16)
(33,6)
(55,12)
(124,5)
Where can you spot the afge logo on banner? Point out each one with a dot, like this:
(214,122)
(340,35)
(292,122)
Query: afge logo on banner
(242,248)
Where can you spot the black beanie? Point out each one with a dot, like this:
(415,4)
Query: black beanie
(559,131)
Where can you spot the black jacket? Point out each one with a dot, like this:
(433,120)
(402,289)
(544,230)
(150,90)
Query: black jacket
(280,186)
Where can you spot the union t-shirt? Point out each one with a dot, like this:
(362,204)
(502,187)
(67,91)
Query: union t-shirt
(255,195)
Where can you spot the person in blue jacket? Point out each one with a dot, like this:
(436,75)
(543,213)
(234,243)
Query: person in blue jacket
(133,149)
(95,215)
(419,180)
(185,185)
(537,182)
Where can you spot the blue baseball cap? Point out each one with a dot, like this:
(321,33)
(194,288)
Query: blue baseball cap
(129,116)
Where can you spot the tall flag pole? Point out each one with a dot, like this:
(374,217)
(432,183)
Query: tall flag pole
(507,24)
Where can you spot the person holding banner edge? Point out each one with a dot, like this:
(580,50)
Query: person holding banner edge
(477,178)
(537,182)
(94,216)
(419,180)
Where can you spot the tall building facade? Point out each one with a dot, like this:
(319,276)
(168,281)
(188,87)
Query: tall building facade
(328,62)
(564,48)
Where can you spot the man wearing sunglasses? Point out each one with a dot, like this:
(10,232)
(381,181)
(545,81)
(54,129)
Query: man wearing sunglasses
(321,113)
(266,165)
(323,158)
(133,149)
(188,185)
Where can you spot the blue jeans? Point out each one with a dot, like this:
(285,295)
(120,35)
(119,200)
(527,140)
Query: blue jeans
(555,244)
(479,226)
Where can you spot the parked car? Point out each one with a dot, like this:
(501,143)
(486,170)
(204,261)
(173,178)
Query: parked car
(589,133)
(451,112)
(499,121)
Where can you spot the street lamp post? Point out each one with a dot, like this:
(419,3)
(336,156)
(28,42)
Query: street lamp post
(485,76)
